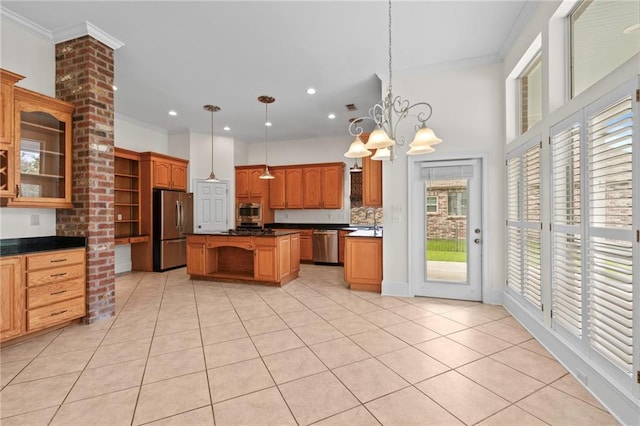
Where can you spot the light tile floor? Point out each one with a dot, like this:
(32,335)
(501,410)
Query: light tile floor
(182,352)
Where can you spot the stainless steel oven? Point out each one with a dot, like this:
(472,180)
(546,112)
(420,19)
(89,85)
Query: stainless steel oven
(249,214)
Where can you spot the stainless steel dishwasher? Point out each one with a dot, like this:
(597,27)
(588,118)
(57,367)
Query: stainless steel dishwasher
(325,246)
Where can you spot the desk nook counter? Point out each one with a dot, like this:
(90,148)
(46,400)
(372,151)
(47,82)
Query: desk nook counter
(271,259)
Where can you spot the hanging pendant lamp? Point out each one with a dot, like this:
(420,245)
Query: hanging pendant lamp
(212,109)
(266,100)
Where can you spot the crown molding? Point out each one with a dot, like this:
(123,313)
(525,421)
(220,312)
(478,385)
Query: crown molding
(83,29)
(25,24)
(525,14)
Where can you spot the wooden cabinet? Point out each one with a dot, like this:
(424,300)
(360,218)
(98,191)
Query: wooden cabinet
(127,197)
(50,291)
(371,180)
(7,145)
(196,255)
(363,263)
(313,186)
(306,245)
(341,235)
(42,135)
(170,173)
(249,184)
(266,259)
(295,252)
(11,297)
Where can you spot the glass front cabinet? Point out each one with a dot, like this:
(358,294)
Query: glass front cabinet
(43,151)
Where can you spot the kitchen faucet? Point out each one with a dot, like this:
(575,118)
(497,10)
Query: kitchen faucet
(375,219)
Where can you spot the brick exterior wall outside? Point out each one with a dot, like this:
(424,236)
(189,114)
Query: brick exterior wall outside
(84,77)
(440,225)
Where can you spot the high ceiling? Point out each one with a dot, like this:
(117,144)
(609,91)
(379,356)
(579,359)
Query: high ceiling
(180,55)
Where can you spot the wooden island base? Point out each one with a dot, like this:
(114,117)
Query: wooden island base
(266,259)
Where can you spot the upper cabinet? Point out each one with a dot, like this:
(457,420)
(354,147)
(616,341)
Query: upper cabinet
(249,184)
(42,136)
(169,172)
(371,180)
(308,186)
(7,145)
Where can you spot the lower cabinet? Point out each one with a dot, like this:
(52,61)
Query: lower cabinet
(306,245)
(266,260)
(11,297)
(363,263)
(42,290)
(196,255)
(341,235)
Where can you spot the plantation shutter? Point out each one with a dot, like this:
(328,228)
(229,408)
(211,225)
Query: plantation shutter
(610,245)
(514,239)
(532,285)
(566,241)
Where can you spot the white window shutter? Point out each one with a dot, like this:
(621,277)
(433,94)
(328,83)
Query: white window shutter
(532,284)
(610,245)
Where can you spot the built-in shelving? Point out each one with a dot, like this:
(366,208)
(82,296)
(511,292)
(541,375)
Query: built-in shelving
(126,197)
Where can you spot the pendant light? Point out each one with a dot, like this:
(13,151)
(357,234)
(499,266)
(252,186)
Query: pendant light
(212,109)
(266,100)
(355,168)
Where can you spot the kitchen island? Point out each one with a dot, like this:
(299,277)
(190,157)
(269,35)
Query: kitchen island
(270,259)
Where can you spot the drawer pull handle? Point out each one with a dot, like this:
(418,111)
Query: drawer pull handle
(61,274)
(58,260)
(58,292)
(53,314)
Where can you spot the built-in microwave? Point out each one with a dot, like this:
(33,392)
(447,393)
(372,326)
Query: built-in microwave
(249,214)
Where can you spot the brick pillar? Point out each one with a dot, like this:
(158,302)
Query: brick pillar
(84,77)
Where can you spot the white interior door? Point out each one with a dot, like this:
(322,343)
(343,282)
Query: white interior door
(447,219)
(212,207)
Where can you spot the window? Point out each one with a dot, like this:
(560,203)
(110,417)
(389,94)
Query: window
(602,38)
(432,204)
(523,223)
(530,85)
(457,203)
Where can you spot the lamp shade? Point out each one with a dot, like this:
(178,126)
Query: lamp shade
(420,149)
(266,174)
(379,139)
(357,149)
(425,137)
(382,154)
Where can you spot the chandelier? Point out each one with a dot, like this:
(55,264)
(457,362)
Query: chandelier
(387,115)
(212,109)
(266,100)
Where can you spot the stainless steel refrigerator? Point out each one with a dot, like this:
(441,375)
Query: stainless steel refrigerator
(172,220)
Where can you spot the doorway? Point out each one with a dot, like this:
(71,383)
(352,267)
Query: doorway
(446,223)
(211,207)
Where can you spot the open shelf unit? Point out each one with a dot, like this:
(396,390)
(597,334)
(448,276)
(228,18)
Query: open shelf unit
(127,197)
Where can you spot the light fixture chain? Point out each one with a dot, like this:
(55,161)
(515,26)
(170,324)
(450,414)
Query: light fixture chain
(390,77)
(266,131)
(212,111)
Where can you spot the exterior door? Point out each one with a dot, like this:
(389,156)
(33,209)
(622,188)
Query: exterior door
(212,207)
(448,218)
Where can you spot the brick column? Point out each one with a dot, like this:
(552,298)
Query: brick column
(84,77)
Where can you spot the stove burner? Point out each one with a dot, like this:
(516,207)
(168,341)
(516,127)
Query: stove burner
(251,230)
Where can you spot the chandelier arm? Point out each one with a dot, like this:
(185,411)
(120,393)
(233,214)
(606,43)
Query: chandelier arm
(355,129)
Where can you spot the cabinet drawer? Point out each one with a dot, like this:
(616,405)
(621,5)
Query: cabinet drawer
(53,275)
(54,293)
(53,314)
(55,259)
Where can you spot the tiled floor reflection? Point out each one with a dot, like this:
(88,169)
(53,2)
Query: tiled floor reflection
(182,352)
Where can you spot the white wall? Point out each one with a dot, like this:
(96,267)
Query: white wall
(34,58)
(307,151)
(468,115)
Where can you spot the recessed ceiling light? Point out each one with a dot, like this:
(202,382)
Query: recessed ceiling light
(173,113)
(268,124)
(227,128)
(311,91)
(114,87)
(331,116)
(631,28)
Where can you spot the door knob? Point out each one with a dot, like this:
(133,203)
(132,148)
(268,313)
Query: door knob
(477,230)
(477,241)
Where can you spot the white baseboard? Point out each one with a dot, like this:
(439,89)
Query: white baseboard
(395,288)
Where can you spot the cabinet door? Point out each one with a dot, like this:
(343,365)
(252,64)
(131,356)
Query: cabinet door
(312,187)
(293,189)
(306,248)
(11,297)
(179,177)
(256,185)
(195,259)
(161,174)
(265,264)
(341,239)
(7,151)
(242,183)
(43,151)
(277,189)
(363,263)
(371,182)
(332,185)
(295,252)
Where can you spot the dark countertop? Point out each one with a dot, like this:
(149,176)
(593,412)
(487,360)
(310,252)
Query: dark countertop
(249,234)
(345,226)
(17,246)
